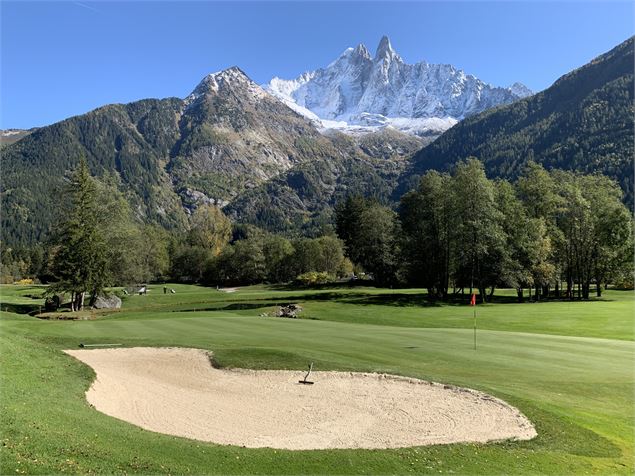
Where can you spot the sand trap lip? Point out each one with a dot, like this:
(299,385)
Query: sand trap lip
(176,391)
(228,290)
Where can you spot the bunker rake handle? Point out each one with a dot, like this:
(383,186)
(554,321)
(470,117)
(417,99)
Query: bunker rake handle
(98,345)
(305,381)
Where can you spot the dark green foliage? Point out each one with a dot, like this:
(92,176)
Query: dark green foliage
(129,140)
(584,122)
(597,241)
(323,254)
(190,263)
(347,222)
(466,231)
(80,263)
(428,222)
(480,250)
(278,252)
(262,257)
(370,232)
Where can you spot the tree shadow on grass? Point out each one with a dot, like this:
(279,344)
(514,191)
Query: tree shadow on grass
(422,300)
(20,308)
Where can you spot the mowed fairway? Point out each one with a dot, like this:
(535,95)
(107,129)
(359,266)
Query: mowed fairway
(567,366)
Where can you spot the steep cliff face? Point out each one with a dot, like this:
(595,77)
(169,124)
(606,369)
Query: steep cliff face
(359,92)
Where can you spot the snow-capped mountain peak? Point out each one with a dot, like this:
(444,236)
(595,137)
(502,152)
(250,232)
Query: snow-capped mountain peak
(361,50)
(359,92)
(385,51)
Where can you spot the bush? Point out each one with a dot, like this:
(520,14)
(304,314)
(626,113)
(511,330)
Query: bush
(313,277)
(24,282)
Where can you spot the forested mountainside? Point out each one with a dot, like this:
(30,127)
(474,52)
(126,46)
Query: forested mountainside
(133,140)
(302,199)
(226,139)
(583,122)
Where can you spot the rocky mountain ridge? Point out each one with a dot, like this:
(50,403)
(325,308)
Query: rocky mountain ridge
(358,93)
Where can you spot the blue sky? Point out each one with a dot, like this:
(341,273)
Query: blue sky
(60,59)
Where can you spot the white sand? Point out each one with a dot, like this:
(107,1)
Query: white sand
(177,391)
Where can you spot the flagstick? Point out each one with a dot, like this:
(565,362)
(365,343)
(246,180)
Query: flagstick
(474,327)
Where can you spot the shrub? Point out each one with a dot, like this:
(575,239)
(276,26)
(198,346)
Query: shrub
(24,282)
(313,277)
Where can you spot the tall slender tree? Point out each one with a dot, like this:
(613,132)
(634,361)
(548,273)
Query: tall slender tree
(427,221)
(480,237)
(80,264)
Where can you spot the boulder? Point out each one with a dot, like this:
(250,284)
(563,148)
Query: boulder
(290,310)
(107,302)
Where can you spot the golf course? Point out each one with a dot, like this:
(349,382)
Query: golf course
(567,366)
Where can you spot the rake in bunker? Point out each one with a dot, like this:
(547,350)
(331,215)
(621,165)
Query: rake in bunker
(305,381)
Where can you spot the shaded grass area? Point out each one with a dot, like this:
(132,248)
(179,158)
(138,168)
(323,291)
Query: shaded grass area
(578,390)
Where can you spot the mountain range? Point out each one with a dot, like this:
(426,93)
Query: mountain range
(234,143)
(358,92)
(226,138)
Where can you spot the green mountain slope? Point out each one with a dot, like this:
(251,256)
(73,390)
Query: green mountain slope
(583,122)
(228,143)
(132,140)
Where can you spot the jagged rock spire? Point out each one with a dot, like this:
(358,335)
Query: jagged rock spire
(385,50)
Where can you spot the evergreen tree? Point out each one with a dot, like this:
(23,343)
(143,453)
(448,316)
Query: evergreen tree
(348,221)
(80,264)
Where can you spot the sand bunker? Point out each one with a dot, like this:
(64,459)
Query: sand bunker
(176,391)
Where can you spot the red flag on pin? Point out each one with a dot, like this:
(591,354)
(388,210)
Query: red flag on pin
(473,300)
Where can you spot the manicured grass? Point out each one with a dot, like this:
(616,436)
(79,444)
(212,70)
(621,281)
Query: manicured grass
(567,366)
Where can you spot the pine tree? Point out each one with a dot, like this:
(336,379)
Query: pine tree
(80,263)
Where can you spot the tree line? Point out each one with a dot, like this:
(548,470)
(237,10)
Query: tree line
(551,233)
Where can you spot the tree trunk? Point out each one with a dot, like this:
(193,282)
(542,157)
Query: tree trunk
(557,289)
(79,301)
(520,293)
(598,288)
(93,298)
